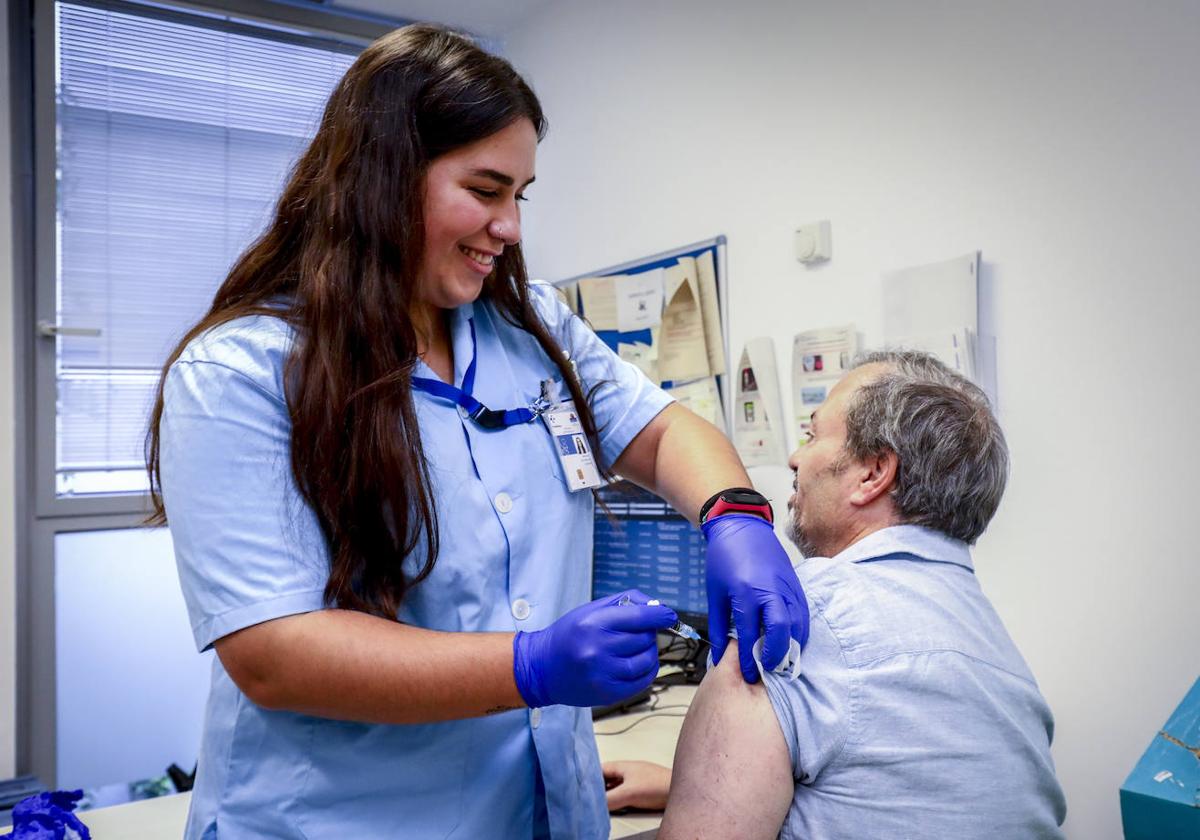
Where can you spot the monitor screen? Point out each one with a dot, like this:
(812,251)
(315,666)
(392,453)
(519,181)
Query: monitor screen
(648,547)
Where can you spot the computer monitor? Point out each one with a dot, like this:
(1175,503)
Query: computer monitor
(646,545)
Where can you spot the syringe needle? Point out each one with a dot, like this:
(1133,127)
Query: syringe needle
(683,631)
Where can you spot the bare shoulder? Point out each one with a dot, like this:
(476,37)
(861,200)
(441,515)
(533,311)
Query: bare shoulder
(732,771)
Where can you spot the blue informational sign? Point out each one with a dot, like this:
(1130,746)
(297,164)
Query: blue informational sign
(646,545)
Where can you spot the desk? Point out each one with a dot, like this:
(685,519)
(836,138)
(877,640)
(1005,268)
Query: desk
(163,818)
(654,740)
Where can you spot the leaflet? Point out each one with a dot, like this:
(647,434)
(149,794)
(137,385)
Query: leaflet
(819,359)
(599,300)
(757,411)
(639,300)
(710,307)
(683,351)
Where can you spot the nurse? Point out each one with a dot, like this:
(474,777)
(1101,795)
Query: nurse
(372,520)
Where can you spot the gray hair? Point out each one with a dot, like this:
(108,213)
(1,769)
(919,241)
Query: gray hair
(953,460)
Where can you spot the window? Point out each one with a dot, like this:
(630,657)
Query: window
(174,134)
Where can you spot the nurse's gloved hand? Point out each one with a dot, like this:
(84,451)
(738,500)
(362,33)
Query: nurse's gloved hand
(598,653)
(750,575)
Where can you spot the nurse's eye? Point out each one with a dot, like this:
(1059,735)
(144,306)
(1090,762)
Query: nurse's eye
(484,193)
(522,198)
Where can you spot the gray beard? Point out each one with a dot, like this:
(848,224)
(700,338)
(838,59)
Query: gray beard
(800,539)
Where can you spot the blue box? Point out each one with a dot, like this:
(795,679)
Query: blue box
(1161,798)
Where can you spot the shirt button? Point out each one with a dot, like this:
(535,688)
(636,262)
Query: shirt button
(503,502)
(520,609)
(535,718)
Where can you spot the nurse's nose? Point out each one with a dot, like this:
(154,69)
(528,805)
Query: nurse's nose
(506,226)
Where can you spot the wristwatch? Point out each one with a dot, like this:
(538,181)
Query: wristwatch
(737,500)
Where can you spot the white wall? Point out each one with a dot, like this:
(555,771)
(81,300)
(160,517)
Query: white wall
(1059,141)
(8,601)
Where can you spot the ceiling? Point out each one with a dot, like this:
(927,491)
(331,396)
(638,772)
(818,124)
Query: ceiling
(487,18)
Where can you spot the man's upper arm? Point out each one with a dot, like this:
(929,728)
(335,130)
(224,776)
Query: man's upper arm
(733,772)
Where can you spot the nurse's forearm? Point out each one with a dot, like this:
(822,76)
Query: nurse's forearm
(683,458)
(352,666)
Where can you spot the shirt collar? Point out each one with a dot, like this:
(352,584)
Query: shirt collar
(460,341)
(460,337)
(915,540)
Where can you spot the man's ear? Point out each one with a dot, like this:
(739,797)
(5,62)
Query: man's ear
(877,475)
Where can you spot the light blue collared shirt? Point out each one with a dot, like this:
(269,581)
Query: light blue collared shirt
(915,715)
(515,552)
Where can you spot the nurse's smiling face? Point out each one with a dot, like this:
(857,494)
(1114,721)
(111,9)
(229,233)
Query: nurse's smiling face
(471,211)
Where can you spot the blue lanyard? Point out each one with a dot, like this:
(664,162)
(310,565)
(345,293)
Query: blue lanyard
(482,415)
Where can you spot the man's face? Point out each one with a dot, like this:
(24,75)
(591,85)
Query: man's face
(820,508)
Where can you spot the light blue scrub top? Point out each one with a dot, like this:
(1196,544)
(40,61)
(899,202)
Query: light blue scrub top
(515,552)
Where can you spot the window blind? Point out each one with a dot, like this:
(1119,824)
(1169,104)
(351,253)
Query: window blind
(173,141)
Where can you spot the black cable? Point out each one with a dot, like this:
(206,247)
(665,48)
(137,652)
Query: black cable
(639,720)
(690,648)
(675,643)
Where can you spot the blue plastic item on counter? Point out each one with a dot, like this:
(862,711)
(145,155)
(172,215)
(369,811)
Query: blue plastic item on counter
(47,816)
(1161,797)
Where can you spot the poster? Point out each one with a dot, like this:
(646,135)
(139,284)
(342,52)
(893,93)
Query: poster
(683,349)
(819,359)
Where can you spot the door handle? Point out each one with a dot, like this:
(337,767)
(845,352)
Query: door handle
(49,330)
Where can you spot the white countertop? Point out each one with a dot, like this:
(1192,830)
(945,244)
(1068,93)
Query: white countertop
(163,817)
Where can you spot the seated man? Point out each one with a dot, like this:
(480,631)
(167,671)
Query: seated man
(914,715)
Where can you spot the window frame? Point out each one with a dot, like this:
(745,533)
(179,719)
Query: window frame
(40,513)
(277,21)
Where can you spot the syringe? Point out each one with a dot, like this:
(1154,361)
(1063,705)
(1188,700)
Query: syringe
(683,631)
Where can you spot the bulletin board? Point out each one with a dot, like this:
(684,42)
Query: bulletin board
(666,313)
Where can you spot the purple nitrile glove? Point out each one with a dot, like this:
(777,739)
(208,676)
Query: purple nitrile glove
(596,654)
(750,575)
(47,816)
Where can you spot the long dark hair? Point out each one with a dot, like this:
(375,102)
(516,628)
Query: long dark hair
(342,253)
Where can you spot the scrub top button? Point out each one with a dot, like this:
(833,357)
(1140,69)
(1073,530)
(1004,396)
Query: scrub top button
(504,502)
(535,718)
(520,609)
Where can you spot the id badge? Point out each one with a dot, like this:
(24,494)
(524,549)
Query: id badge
(571,445)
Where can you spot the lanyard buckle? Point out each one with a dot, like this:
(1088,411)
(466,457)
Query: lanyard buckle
(488,418)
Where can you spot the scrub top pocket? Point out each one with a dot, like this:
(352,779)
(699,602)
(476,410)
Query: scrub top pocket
(427,761)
